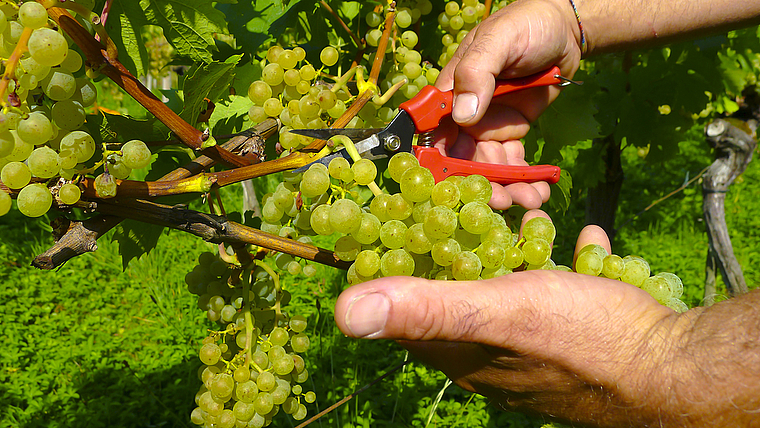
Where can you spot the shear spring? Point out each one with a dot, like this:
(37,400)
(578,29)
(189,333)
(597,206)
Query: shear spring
(425,139)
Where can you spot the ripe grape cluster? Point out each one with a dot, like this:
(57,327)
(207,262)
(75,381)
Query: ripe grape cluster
(44,149)
(252,367)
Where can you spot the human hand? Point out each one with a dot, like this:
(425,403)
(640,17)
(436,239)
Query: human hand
(575,348)
(500,48)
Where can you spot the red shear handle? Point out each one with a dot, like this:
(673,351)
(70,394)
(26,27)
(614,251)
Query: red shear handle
(431,105)
(442,167)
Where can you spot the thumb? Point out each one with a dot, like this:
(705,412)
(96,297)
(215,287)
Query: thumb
(407,308)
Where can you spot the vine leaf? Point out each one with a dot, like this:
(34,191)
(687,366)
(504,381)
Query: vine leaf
(135,239)
(568,120)
(253,23)
(189,25)
(560,196)
(206,81)
(232,116)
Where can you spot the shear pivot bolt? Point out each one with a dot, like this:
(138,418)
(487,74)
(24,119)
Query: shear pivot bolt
(392,143)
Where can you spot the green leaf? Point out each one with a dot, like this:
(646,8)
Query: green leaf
(114,127)
(560,197)
(126,18)
(253,23)
(189,25)
(206,81)
(568,120)
(230,117)
(135,239)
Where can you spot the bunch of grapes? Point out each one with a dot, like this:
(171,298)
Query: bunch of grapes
(252,368)
(457,19)
(44,149)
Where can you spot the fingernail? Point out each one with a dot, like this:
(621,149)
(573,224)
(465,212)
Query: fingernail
(465,107)
(368,314)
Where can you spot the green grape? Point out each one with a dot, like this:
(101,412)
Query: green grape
(79,142)
(287,59)
(210,354)
(222,385)
(336,166)
(613,266)
(393,234)
(309,271)
(300,343)
(327,99)
(373,19)
(369,229)
(475,217)
(337,110)
(266,382)
(21,149)
(7,143)
(677,305)
(105,186)
(456,22)
(345,216)
(259,91)
(272,107)
(16,175)
(274,52)
(270,212)
(73,61)
(589,263)
(291,77)
(320,220)
(451,8)
(60,84)
(347,248)
(243,411)
(416,241)
(409,39)
(364,171)
(491,254)
(32,15)
(34,68)
(294,268)
(115,165)
(513,257)
(397,263)
(539,227)
(420,210)
(466,266)
(475,188)
(595,248)
(636,271)
(399,208)
(48,47)
(5,203)
(379,207)
(85,93)
(272,74)
(297,323)
(367,263)
(282,367)
(309,108)
(263,403)
(658,288)
(307,72)
(315,182)
(499,233)
(674,282)
(44,162)
(68,114)
(445,193)
(403,17)
(417,184)
(135,154)
(329,56)
(400,163)
(440,222)
(536,251)
(35,129)
(444,251)
(468,241)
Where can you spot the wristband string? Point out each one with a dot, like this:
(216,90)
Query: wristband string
(580,26)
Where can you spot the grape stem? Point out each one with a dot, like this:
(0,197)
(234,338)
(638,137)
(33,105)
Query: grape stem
(12,63)
(380,100)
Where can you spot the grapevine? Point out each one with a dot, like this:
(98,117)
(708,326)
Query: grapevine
(253,359)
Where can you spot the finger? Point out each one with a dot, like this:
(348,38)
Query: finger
(445,135)
(592,234)
(500,197)
(543,189)
(525,195)
(531,214)
(515,152)
(464,147)
(500,123)
(490,152)
(407,308)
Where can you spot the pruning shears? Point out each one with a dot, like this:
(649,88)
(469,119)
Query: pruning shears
(421,115)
